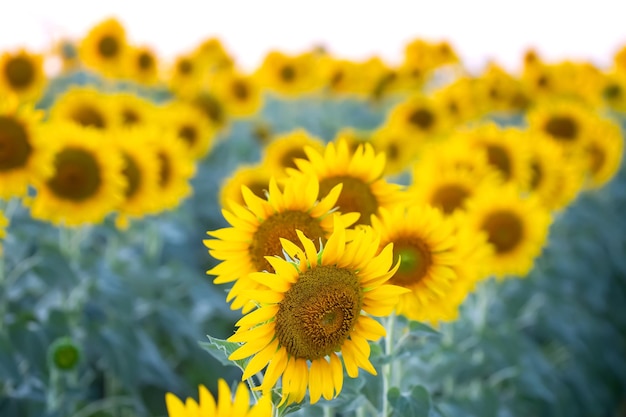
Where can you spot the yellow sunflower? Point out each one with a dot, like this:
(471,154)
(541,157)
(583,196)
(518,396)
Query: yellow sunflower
(393,143)
(613,91)
(212,54)
(22,75)
(23,154)
(104,48)
(187,75)
(239,93)
(141,170)
(288,75)
(212,109)
(130,110)
(426,246)
(281,153)
(507,150)
(190,125)
(342,76)
(254,177)
(421,117)
(85,106)
(87,181)
(176,168)
(364,189)
(142,65)
(516,228)
(603,149)
(224,406)
(459,101)
(314,309)
(498,91)
(257,228)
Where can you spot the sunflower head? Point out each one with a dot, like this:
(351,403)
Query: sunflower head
(192,128)
(239,93)
(288,75)
(22,75)
(283,151)
(85,106)
(311,310)
(225,404)
(105,47)
(142,65)
(255,177)
(602,152)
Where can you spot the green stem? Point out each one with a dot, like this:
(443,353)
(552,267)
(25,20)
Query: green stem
(387,370)
(8,208)
(328,411)
(252,387)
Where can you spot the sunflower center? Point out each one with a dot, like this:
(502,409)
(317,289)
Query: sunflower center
(392,152)
(612,92)
(288,160)
(108,46)
(189,134)
(211,107)
(504,230)
(165,169)
(266,240)
(240,90)
(498,157)
(415,261)
(319,312)
(14,146)
(356,196)
(130,117)
(542,81)
(184,66)
(453,107)
(562,127)
(536,175)
(87,115)
(77,175)
(19,72)
(597,157)
(287,73)
(133,176)
(336,78)
(422,118)
(145,61)
(449,197)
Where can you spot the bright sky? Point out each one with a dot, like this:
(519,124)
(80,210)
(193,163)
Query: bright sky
(478,29)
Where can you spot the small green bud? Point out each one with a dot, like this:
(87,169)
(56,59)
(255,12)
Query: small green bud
(64,354)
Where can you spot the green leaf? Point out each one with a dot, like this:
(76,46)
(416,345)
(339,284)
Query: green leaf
(417,328)
(416,403)
(221,350)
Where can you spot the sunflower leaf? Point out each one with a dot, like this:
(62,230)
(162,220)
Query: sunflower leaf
(415,403)
(221,349)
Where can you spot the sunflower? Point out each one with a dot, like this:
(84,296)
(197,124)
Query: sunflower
(130,110)
(85,106)
(22,75)
(224,405)
(190,125)
(507,150)
(567,122)
(283,150)
(104,48)
(212,109)
(212,54)
(364,190)
(142,65)
(23,154)
(516,228)
(239,93)
(312,312)
(187,75)
(254,177)
(176,168)
(354,137)
(288,75)
(87,181)
(342,76)
(141,170)
(498,91)
(421,117)
(392,142)
(257,228)
(603,149)
(459,101)
(613,91)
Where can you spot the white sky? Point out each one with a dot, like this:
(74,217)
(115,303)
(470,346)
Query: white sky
(478,29)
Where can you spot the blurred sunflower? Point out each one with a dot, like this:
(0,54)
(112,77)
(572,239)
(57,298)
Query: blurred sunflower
(187,76)
(212,109)
(142,65)
(141,170)
(342,76)
(507,150)
(104,48)
(364,191)
(288,75)
(613,91)
(281,153)
(176,168)
(86,183)
(425,245)
(130,110)
(603,150)
(458,101)
(190,125)
(239,93)
(392,142)
(224,405)
(22,75)
(314,307)
(421,117)
(85,106)
(213,56)
(254,177)
(23,154)
(500,92)
(516,228)
(257,228)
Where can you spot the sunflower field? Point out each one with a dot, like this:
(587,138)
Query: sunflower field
(316,237)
